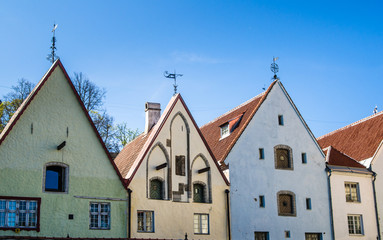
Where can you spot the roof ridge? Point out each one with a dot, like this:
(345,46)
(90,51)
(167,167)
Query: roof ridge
(237,107)
(351,125)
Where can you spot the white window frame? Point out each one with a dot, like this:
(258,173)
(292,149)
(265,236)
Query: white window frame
(199,223)
(352,196)
(145,220)
(356,219)
(6,212)
(99,215)
(225,131)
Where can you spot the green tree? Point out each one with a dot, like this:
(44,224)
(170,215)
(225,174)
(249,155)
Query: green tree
(124,135)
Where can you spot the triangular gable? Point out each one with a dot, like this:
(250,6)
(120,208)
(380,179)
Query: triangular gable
(222,147)
(35,91)
(150,139)
(337,158)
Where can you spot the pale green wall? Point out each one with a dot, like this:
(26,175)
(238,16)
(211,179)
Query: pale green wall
(23,155)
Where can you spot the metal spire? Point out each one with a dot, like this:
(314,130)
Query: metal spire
(174,76)
(52,56)
(274,68)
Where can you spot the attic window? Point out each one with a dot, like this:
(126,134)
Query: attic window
(225,130)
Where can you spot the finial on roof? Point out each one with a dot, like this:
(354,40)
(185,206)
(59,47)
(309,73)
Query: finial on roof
(174,76)
(274,68)
(52,56)
(376,110)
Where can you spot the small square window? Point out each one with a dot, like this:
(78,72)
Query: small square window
(308,203)
(280,120)
(99,215)
(201,223)
(261,153)
(145,221)
(261,235)
(304,158)
(352,192)
(261,201)
(355,224)
(287,234)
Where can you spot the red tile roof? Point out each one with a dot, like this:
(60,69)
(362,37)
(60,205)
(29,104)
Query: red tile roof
(358,140)
(337,158)
(32,95)
(212,133)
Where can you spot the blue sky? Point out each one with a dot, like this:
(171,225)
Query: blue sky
(330,53)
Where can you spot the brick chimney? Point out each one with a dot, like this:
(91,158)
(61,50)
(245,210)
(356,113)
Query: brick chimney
(152,115)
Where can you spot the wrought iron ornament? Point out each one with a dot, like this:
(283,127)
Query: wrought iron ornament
(174,76)
(52,56)
(274,68)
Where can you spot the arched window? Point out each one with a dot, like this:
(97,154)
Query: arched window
(286,203)
(283,157)
(199,193)
(156,189)
(56,177)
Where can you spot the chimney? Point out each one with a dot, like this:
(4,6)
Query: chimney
(153,114)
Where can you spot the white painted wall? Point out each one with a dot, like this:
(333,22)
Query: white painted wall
(251,177)
(341,208)
(377,167)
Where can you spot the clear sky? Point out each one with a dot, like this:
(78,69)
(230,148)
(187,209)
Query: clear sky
(330,53)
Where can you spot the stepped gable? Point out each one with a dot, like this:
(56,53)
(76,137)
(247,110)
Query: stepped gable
(358,140)
(211,131)
(337,158)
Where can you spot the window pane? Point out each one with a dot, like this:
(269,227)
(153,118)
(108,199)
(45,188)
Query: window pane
(94,208)
(22,205)
(12,205)
(22,219)
(11,219)
(2,219)
(104,221)
(32,219)
(140,219)
(94,221)
(2,204)
(32,205)
(148,221)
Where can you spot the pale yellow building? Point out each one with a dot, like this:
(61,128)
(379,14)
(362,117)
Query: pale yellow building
(176,186)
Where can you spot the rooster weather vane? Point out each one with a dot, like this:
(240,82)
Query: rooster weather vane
(174,76)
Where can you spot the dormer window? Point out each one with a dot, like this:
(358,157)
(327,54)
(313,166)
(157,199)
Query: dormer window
(225,130)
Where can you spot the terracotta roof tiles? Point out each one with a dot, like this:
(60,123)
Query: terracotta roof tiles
(337,158)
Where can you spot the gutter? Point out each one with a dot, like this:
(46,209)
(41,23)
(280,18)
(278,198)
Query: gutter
(328,170)
(227,191)
(129,212)
(376,205)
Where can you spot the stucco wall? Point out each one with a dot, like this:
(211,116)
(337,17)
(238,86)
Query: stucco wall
(341,208)
(174,219)
(23,156)
(377,167)
(251,177)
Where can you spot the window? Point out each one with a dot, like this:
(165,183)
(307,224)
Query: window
(287,234)
(280,120)
(156,189)
(180,165)
(99,215)
(56,177)
(199,193)
(304,158)
(145,221)
(261,201)
(286,203)
(352,192)
(19,213)
(225,130)
(283,157)
(261,235)
(313,236)
(201,223)
(355,224)
(308,203)
(261,153)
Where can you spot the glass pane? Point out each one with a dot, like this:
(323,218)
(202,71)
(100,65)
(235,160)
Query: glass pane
(32,220)
(148,221)
(2,204)
(22,219)
(196,223)
(32,205)
(52,180)
(105,208)
(22,205)
(104,221)
(140,221)
(11,219)
(350,224)
(94,208)
(12,205)
(93,221)
(2,219)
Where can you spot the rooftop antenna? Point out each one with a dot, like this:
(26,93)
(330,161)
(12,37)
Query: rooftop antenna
(52,56)
(174,76)
(274,68)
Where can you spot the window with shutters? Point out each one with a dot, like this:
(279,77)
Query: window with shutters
(283,157)
(286,203)
(199,193)
(156,189)
(180,165)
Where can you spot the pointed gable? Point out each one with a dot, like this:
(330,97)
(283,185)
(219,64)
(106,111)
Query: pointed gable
(337,158)
(130,158)
(24,106)
(358,140)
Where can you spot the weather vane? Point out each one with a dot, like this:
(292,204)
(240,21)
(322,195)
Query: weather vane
(274,68)
(174,76)
(52,56)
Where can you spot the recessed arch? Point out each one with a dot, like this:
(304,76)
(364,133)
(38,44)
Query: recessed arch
(207,192)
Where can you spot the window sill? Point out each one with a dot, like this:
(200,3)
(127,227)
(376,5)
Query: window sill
(19,229)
